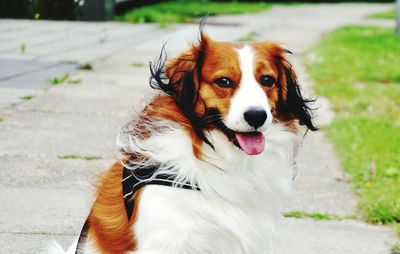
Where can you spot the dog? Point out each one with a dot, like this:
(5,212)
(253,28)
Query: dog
(209,160)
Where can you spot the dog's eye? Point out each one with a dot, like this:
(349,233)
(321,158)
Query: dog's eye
(267,80)
(224,82)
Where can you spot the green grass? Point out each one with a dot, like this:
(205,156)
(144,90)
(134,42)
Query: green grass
(395,249)
(22,48)
(357,68)
(315,216)
(249,37)
(185,11)
(396,228)
(64,79)
(75,156)
(385,15)
(27,97)
(86,66)
(138,64)
(74,81)
(69,156)
(59,80)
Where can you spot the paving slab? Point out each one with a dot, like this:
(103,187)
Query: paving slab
(10,97)
(27,171)
(53,49)
(96,99)
(320,186)
(334,237)
(31,243)
(51,40)
(51,135)
(10,68)
(62,211)
(33,78)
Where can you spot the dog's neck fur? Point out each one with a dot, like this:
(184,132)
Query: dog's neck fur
(224,172)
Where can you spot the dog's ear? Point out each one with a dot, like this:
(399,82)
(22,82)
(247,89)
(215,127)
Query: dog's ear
(182,68)
(292,99)
(188,64)
(180,73)
(180,79)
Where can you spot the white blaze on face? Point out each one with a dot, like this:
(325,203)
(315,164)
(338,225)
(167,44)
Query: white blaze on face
(250,95)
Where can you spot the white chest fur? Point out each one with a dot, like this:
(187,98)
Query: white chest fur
(240,200)
(183,221)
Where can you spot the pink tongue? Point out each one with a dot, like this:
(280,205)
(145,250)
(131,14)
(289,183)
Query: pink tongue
(251,143)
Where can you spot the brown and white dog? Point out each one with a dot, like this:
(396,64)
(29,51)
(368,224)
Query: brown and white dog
(211,156)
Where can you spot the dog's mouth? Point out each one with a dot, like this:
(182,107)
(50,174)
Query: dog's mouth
(252,143)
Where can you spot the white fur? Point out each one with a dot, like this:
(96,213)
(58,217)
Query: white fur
(250,95)
(88,247)
(55,248)
(240,200)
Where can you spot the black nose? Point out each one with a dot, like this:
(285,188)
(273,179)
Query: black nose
(255,117)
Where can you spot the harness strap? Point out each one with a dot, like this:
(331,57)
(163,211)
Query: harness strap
(133,180)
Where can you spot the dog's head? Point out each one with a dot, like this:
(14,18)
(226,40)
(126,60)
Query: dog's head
(240,89)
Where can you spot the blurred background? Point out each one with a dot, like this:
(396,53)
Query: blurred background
(72,72)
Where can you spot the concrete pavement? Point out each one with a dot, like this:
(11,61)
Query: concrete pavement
(47,196)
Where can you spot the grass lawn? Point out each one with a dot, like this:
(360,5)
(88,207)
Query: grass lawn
(184,11)
(358,69)
(385,15)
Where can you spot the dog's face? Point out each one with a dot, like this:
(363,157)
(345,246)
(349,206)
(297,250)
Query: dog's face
(239,89)
(238,81)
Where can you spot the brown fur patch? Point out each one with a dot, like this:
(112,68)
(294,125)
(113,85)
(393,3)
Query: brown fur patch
(109,225)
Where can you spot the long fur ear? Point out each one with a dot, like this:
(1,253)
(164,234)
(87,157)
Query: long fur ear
(294,102)
(180,79)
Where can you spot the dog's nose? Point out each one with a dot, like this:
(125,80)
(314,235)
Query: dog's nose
(255,117)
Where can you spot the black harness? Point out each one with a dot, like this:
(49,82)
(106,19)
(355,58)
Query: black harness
(132,181)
